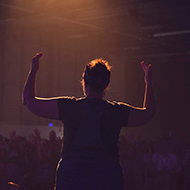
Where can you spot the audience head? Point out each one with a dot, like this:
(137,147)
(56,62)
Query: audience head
(52,136)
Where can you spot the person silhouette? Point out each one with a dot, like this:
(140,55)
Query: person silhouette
(91,126)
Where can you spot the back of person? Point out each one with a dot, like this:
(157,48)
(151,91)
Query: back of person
(87,158)
(102,173)
(87,142)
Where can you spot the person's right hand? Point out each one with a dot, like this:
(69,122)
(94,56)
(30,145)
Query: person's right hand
(35,62)
(147,72)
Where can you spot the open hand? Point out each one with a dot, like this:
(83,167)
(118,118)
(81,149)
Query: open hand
(35,62)
(147,72)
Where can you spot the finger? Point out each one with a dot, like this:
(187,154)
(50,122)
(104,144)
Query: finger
(143,65)
(39,54)
(142,62)
(149,67)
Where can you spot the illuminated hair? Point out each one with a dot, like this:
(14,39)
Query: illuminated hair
(97,73)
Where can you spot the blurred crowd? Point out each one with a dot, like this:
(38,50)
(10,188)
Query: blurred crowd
(30,163)
(162,164)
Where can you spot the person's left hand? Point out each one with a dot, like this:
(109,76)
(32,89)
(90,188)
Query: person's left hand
(147,72)
(35,62)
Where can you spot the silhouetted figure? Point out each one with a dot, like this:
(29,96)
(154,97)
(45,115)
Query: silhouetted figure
(91,127)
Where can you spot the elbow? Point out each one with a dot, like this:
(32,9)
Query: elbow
(139,117)
(27,97)
(24,101)
(150,114)
(24,98)
(27,101)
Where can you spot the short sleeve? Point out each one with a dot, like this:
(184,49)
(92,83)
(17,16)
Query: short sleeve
(123,111)
(64,106)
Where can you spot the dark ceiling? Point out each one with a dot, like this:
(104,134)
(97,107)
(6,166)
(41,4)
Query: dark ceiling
(138,27)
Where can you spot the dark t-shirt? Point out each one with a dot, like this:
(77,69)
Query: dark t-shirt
(113,119)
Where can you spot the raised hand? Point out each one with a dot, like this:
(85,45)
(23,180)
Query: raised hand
(35,137)
(32,139)
(147,72)
(35,62)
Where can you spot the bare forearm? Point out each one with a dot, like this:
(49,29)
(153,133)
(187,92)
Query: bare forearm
(149,100)
(43,107)
(140,116)
(29,88)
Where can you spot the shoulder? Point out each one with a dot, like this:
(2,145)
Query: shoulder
(116,104)
(68,100)
(119,110)
(68,106)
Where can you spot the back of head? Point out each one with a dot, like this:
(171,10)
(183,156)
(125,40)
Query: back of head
(97,74)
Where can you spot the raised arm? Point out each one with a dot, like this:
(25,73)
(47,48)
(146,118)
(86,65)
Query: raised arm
(140,116)
(43,107)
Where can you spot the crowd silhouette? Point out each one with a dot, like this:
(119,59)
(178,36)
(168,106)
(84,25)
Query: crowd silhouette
(30,163)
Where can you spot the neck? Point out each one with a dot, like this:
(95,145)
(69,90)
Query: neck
(94,96)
